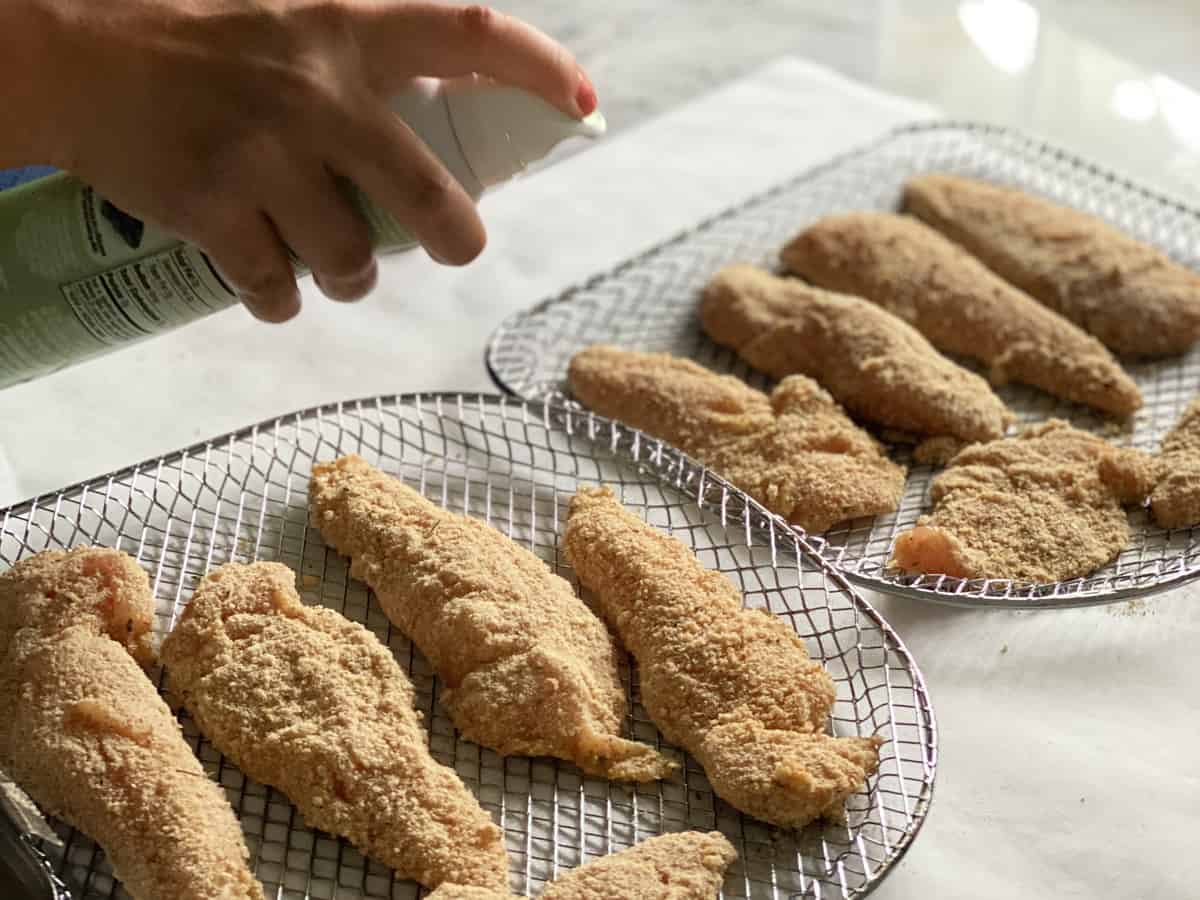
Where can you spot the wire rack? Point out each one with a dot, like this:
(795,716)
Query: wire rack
(650,303)
(243,497)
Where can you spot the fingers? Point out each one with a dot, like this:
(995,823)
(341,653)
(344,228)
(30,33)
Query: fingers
(446,41)
(398,172)
(317,221)
(252,258)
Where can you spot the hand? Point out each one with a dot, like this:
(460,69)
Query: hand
(227,121)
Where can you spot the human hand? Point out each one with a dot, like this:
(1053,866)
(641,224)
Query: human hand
(227,122)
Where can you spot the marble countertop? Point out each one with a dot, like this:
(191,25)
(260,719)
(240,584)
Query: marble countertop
(1118,81)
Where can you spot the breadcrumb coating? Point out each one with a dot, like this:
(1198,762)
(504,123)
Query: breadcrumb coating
(873,363)
(937,451)
(1131,296)
(688,865)
(304,700)
(1170,478)
(796,451)
(528,669)
(86,734)
(733,686)
(1041,507)
(467,892)
(963,307)
(1176,497)
(1131,474)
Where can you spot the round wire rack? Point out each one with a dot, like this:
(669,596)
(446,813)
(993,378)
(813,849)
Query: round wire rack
(650,303)
(243,497)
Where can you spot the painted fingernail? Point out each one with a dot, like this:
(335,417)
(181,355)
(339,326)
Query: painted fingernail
(585,95)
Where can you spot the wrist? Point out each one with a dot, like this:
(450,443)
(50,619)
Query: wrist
(32,68)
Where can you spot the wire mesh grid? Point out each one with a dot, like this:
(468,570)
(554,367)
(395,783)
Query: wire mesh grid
(243,497)
(650,303)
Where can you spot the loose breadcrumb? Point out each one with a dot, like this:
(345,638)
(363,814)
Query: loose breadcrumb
(1038,507)
(85,733)
(528,669)
(733,686)
(796,451)
(954,300)
(305,700)
(1130,295)
(688,865)
(873,363)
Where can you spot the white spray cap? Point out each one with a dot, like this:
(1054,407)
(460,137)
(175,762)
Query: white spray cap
(502,130)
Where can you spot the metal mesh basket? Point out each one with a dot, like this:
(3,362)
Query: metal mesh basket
(243,497)
(650,303)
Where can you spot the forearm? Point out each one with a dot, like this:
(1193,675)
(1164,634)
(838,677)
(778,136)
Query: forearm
(31,75)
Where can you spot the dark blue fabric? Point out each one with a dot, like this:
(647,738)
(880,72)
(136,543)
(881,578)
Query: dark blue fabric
(13,177)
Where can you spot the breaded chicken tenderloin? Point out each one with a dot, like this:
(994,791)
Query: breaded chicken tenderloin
(796,451)
(687,865)
(1134,298)
(85,733)
(963,307)
(1176,497)
(873,363)
(528,669)
(304,700)
(1170,478)
(1039,507)
(733,686)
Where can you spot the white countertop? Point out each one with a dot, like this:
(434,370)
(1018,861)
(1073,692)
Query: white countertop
(1068,738)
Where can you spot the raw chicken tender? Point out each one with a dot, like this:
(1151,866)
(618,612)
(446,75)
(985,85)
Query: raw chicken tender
(873,363)
(796,452)
(688,865)
(305,700)
(1131,296)
(85,733)
(733,686)
(1044,506)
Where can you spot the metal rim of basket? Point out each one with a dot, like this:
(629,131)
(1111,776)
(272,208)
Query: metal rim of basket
(765,520)
(941,589)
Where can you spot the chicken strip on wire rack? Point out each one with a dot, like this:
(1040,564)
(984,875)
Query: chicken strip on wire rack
(795,451)
(1131,296)
(735,687)
(85,733)
(527,669)
(873,363)
(1042,507)
(306,701)
(685,865)
(1176,496)
(963,307)
(1170,478)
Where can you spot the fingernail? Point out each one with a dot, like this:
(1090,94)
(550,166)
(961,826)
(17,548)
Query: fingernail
(274,311)
(347,289)
(585,96)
